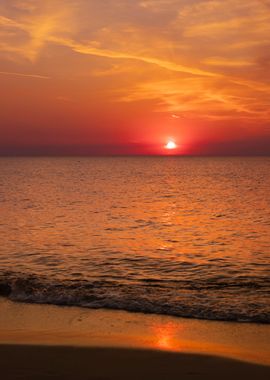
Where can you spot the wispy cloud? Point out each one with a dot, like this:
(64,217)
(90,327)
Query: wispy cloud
(168,65)
(33,28)
(37,76)
(197,97)
(227,62)
(200,58)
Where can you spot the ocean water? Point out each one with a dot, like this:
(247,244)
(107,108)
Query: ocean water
(188,237)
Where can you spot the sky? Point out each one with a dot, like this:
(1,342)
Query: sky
(127,76)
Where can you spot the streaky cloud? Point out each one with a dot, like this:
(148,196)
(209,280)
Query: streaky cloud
(37,76)
(91,50)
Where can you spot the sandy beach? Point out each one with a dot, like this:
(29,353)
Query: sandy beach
(42,341)
(44,362)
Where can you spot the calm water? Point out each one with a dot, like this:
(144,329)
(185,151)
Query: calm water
(180,236)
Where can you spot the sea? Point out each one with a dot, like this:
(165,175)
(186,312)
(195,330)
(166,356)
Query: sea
(181,236)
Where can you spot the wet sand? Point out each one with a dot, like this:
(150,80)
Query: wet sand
(42,342)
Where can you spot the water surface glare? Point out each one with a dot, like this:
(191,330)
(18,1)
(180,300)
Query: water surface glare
(180,236)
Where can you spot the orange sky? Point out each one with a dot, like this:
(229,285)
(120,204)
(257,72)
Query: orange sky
(124,76)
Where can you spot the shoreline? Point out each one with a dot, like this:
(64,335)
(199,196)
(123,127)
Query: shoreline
(35,324)
(39,342)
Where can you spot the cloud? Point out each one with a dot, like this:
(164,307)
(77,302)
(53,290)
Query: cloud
(168,65)
(37,76)
(159,5)
(229,62)
(197,97)
(28,33)
(204,58)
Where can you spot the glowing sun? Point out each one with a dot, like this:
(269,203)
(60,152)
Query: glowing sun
(170,145)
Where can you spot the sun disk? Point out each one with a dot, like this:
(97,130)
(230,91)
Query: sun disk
(170,145)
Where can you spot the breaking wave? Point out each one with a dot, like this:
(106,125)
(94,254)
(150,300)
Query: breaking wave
(212,300)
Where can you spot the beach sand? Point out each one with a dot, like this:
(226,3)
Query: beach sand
(51,342)
(37,362)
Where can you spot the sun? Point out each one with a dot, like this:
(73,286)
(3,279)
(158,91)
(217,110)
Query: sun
(170,145)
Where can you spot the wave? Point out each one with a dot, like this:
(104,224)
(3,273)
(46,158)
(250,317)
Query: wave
(243,300)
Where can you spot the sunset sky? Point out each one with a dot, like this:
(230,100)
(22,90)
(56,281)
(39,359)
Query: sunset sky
(127,76)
